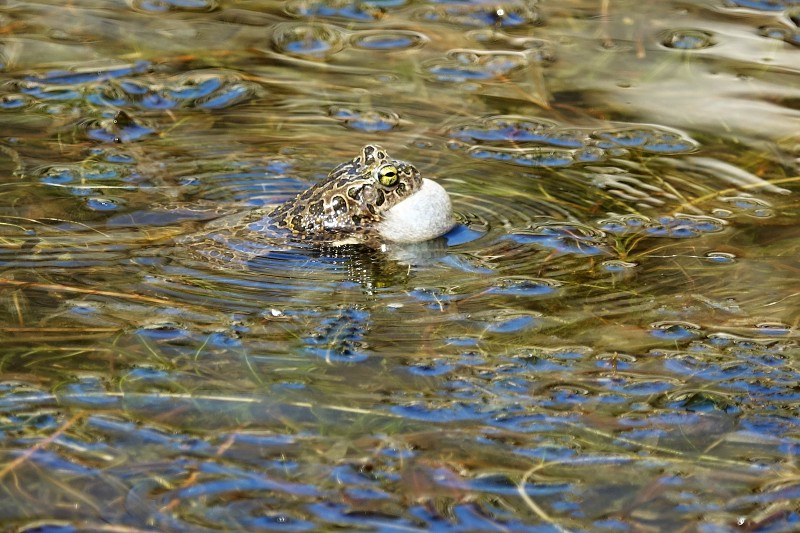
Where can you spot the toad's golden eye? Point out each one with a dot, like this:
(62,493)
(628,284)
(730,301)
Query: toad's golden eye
(387,175)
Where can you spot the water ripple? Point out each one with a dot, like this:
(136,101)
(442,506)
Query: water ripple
(119,128)
(308,41)
(388,39)
(520,130)
(341,9)
(765,5)
(462,65)
(165,6)
(80,77)
(678,226)
(504,14)
(205,89)
(688,39)
(365,119)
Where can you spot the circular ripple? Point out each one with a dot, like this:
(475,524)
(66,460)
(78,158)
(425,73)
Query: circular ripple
(309,41)
(483,15)
(787,35)
(388,40)
(647,138)
(103,203)
(688,39)
(368,120)
(462,65)
(520,286)
(563,238)
(491,216)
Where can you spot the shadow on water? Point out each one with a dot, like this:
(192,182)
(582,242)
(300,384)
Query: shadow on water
(607,341)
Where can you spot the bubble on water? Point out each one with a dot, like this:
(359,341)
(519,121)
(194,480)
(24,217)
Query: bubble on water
(309,41)
(503,14)
(164,6)
(688,39)
(344,9)
(369,120)
(388,39)
(462,65)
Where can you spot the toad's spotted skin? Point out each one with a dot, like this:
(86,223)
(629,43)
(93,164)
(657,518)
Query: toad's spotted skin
(352,199)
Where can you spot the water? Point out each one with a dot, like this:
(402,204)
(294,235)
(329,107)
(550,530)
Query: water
(607,341)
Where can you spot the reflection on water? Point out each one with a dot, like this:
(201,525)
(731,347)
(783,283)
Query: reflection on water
(606,342)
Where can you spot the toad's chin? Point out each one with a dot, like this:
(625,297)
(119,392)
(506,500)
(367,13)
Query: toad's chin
(425,215)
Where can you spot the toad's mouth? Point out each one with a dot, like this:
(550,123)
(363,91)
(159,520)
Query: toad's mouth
(424,215)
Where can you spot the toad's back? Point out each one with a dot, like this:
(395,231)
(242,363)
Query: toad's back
(352,199)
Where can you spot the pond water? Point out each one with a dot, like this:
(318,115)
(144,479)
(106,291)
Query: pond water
(608,340)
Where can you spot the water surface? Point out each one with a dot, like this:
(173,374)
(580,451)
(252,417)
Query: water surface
(607,342)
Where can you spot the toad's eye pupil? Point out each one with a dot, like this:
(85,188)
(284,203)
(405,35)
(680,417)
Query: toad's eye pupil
(387,175)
